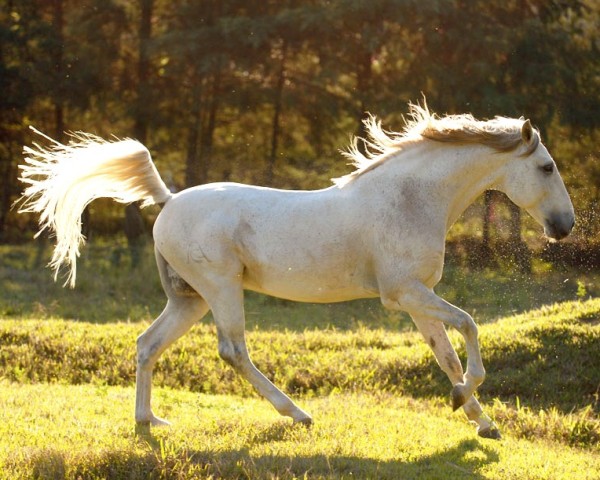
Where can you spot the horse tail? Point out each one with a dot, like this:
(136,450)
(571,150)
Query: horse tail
(63,179)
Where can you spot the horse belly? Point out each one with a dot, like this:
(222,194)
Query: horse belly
(311,282)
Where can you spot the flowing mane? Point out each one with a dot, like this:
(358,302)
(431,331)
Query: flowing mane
(501,133)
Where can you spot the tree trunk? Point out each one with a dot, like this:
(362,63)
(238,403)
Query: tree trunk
(192,167)
(364,74)
(208,131)
(10,116)
(276,127)
(58,96)
(521,253)
(58,23)
(143,103)
(487,219)
(134,225)
(135,232)
(484,257)
(8,179)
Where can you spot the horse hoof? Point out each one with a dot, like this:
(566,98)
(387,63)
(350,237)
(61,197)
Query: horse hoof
(153,422)
(491,432)
(458,397)
(306,421)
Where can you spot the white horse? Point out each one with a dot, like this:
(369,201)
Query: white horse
(377,232)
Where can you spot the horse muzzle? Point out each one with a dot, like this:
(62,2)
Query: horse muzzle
(558,226)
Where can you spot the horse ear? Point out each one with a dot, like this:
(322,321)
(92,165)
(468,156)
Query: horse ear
(527,132)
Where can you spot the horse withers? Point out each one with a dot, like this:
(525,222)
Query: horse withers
(377,232)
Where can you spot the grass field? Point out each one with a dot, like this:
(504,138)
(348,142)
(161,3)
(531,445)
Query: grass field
(379,401)
(61,431)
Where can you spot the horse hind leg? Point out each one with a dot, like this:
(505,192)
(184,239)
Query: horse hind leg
(435,335)
(226,297)
(184,307)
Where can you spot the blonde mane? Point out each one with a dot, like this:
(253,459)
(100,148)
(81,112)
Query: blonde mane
(501,133)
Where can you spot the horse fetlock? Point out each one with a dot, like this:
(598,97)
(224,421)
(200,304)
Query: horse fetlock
(486,427)
(287,408)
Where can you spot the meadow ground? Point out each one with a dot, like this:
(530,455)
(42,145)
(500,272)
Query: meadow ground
(379,401)
(64,431)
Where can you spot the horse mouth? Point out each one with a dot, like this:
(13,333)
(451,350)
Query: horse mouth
(558,227)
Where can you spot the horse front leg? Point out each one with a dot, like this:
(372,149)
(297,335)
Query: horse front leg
(437,338)
(420,301)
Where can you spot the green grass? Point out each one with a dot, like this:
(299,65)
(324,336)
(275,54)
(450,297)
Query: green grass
(380,402)
(378,399)
(549,356)
(58,431)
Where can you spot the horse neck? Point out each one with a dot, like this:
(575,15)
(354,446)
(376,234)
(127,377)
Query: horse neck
(473,171)
(449,176)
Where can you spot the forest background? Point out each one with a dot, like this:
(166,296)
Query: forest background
(268,92)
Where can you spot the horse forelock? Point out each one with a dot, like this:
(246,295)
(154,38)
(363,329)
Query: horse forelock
(500,133)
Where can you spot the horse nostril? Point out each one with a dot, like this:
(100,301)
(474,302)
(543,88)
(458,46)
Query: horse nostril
(558,227)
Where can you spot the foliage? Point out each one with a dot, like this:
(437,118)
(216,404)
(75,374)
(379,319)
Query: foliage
(268,92)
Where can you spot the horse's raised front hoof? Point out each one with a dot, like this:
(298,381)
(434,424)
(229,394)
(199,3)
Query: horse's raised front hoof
(458,396)
(490,432)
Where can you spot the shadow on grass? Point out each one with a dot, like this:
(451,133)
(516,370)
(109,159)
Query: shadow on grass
(461,462)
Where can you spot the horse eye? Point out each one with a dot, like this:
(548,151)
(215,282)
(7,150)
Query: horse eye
(548,168)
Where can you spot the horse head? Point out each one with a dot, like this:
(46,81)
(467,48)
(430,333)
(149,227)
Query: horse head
(533,182)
